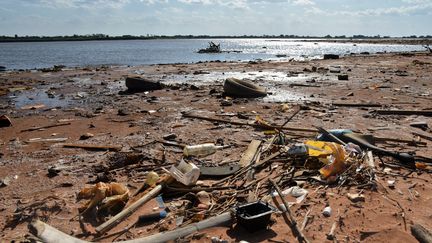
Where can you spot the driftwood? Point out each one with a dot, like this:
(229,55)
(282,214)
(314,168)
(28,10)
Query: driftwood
(250,152)
(45,127)
(305,85)
(404,112)
(300,129)
(356,104)
(47,140)
(421,233)
(50,234)
(293,224)
(129,210)
(93,147)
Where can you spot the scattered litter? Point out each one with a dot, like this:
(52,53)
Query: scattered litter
(355,197)
(327,211)
(111,197)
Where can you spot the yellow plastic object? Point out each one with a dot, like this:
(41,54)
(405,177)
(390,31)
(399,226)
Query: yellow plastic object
(152,178)
(331,154)
(260,121)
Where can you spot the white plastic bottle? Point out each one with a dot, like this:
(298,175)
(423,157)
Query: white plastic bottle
(200,149)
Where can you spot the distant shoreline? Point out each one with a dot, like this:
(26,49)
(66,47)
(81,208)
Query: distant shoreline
(337,39)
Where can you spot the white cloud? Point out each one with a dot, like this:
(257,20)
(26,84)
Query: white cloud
(242,4)
(79,3)
(400,10)
(154,1)
(303,2)
(417,1)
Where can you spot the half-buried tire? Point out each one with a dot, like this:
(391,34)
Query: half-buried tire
(243,89)
(137,84)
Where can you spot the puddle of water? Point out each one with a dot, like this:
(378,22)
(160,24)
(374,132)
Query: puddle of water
(267,79)
(279,96)
(38,96)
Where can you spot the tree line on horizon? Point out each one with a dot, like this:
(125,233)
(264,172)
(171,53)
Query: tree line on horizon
(75,37)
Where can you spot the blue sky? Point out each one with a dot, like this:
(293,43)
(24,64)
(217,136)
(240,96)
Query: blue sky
(216,17)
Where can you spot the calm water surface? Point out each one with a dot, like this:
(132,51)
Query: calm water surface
(29,55)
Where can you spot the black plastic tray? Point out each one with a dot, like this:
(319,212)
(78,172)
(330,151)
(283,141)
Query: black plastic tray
(254,216)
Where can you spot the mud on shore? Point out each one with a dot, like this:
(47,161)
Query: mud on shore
(92,100)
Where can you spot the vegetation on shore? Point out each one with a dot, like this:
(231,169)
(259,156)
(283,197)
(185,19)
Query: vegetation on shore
(26,38)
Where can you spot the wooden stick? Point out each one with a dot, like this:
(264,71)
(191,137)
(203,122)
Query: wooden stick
(421,233)
(305,220)
(305,85)
(250,124)
(356,104)
(331,234)
(293,223)
(264,161)
(404,112)
(93,147)
(298,109)
(44,127)
(129,210)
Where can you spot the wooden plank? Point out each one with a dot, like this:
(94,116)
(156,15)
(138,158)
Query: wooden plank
(250,152)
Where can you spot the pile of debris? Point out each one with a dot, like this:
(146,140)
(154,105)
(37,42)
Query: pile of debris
(193,195)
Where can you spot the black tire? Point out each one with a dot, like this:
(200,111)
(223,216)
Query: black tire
(243,89)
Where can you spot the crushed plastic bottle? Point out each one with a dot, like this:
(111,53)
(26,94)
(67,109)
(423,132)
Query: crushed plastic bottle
(200,149)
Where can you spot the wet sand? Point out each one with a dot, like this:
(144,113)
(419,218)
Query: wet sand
(93,101)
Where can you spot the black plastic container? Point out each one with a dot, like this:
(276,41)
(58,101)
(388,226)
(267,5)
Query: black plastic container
(254,216)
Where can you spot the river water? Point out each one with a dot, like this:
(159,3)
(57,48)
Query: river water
(29,55)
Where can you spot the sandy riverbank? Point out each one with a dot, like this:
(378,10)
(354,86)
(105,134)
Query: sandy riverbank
(91,100)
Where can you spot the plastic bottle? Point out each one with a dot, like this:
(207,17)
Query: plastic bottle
(200,149)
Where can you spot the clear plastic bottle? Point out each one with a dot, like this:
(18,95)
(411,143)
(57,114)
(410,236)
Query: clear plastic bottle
(200,149)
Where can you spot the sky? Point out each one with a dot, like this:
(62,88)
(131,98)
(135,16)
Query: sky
(216,17)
